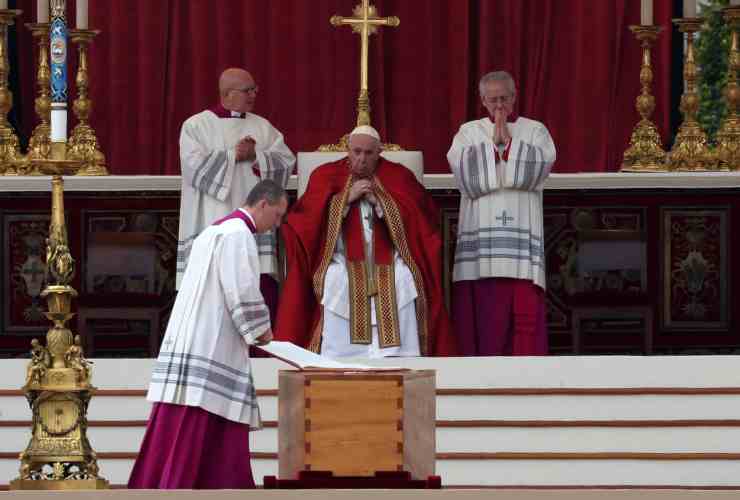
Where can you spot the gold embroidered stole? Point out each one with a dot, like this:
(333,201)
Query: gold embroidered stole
(386,308)
(363,285)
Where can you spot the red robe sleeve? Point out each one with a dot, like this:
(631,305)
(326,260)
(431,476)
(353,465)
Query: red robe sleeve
(303,235)
(421,220)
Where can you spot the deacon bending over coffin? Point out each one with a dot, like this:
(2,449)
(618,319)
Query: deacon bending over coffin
(202,389)
(500,164)
(224,151)
(363,251)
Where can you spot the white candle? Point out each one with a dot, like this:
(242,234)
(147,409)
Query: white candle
(59,122)
(689,8)
(42,11)
(646,12)
(81,14)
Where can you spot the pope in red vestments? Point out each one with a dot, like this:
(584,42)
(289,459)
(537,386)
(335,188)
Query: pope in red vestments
(346,201)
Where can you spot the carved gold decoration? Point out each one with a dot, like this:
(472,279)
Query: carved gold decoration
(39,146)
(365,22)
(728,136)
(58,388)
(645,152)
(10,150)
(690,151)
(83,143)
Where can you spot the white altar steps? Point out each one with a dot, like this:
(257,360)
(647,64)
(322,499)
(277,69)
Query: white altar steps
(557,422)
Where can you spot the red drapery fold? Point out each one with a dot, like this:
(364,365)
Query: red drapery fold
(157,62)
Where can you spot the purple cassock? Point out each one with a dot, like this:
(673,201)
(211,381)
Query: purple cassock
(187,447)
(499,317)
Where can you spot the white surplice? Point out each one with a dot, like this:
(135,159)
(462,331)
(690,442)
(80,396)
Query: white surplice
(335,342)
(219,311)
(214,183)
(500,230)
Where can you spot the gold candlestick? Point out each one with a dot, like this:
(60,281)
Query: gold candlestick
(39,146)
(10,150)
(58,388)
(690,151)
(645,152)
(728,136)
(83,143)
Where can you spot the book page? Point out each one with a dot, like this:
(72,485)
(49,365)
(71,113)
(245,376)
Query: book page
(307,360)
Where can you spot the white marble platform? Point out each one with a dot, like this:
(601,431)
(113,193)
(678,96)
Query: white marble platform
(563,421)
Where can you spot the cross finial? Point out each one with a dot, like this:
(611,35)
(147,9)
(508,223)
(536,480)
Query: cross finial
(365,22)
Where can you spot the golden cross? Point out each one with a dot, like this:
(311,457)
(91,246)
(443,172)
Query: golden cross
(365,22)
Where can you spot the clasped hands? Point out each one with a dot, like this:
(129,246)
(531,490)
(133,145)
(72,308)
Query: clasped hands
(501,133)
(245,149)
(362,188)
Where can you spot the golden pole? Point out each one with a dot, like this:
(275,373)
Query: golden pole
(365,22)
(728,136)
(690,151)
(40,145)
(645,152)
(10,150)
(83,143)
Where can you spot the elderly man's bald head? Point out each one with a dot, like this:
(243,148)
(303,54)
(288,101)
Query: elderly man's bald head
(234,78)
(237,89)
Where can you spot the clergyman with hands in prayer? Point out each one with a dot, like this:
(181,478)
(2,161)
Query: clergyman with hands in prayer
(224,152)
(500,164)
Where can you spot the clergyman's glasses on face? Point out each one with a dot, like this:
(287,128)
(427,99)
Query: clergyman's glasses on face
(249,90)
(498,99)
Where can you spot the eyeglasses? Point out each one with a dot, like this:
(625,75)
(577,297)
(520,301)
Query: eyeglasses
(498,99)
(249,90)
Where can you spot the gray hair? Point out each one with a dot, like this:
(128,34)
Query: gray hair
(497,76)
(265,190)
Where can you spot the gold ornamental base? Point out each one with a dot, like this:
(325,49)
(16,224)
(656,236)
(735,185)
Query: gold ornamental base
(58,389)
(67,484)
(643,168)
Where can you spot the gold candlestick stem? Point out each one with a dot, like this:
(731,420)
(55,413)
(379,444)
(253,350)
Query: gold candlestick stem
(10,150)
(728,136)
(58,388)
(690,151)
(39,146)
(645,152)
(83,142)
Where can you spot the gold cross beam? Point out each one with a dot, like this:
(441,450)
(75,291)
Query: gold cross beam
(365,22)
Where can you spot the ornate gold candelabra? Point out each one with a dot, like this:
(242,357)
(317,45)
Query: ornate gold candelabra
(83,143)
(645,152)
(690,151)
(10,151)
(728,136)
(58,389)
(39,146)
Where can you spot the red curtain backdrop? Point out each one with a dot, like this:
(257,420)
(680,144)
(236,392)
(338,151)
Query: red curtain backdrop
(155,63)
